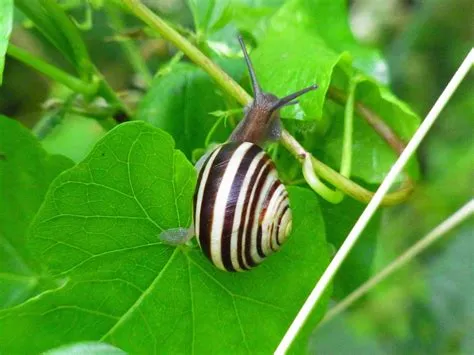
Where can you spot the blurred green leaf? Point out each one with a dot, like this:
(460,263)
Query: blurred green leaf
(340,336)
(99,228)
(181,101)
(6,22)
(87,348)
(357,268)
(26,171)
(73,137)
(451,283)
(210,15)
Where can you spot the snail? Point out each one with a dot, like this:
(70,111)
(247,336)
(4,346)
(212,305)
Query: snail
(241,208)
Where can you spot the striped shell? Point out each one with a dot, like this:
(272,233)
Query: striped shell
(241,209)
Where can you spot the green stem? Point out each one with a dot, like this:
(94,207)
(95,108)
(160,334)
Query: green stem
(344,184)
(317,185)
(233,89)
(75,84)
(167,32)
(131,51)
(346,159)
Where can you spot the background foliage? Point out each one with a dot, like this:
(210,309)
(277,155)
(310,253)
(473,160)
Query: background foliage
(89,263)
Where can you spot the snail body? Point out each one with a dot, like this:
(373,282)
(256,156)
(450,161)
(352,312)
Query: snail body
(241,209)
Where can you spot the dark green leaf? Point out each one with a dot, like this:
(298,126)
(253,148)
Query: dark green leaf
(26,171)
(6,21)
(180,102)
(357,268)
(99,229)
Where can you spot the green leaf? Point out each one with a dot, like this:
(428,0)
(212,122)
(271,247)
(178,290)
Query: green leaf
(210,15)
(92,348)
(74,137)
(6,22)
(181,101)
(372,157)
(329,20)
(26,172)
(291,58)
(99,229)
(357,268)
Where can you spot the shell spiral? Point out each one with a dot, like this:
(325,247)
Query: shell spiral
(241,209)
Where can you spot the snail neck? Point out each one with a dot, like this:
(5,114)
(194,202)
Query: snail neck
(261,122)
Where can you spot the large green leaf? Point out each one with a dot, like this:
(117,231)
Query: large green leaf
(329,20)
(181,101)
(6,21)
(26,172)
(290,58)
(98,229)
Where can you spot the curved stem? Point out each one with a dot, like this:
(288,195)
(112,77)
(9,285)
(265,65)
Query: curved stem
(342,183)
(227,84)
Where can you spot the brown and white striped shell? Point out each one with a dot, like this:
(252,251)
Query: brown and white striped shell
(241,209)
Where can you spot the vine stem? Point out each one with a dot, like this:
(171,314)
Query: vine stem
(75,84)
(227,84)
(439,231)
(374,203)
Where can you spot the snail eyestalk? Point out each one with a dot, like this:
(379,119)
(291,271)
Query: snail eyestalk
(253,78)
(288,100)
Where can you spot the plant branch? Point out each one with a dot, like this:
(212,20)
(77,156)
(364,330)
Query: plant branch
(374,120)
(75,84)
(233,89)
(446,226)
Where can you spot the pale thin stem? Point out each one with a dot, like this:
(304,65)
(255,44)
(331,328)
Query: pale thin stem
(369,211)
(447,225)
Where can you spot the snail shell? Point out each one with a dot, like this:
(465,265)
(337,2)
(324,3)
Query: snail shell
(241,209)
